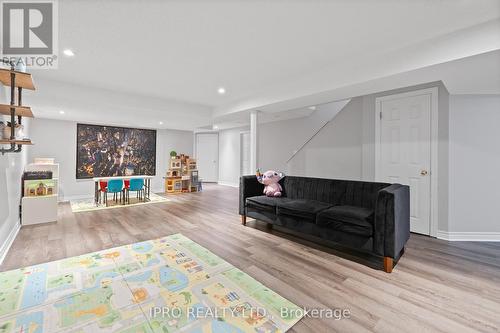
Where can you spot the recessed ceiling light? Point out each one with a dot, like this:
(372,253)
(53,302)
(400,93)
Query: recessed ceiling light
(68,53)
(215,127)
(312,107)
(161,123)
(221,90)
(61,112)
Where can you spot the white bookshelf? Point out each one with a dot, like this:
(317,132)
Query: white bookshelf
(37,209)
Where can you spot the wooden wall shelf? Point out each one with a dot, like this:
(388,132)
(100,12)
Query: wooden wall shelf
(20,80)
(23,80)
(17,142)
(23,111)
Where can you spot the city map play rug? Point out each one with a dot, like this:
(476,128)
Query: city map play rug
(169,284)
(88,204)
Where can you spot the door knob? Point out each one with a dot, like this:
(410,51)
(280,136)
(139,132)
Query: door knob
(423,173)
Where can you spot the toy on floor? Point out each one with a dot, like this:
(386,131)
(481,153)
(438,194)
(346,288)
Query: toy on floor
(271,179)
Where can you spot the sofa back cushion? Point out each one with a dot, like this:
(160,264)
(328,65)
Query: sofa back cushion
(336,192)
(309,188)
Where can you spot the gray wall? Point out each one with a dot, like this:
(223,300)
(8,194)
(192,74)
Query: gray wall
(474,163)
(57,138)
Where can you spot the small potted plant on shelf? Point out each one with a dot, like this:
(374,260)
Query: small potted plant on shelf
(173,154)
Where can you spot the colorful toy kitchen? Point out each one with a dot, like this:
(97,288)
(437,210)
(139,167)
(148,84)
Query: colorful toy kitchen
(182,175)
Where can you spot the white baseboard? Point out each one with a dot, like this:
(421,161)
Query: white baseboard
(8,242)
(469,236)
(228,184)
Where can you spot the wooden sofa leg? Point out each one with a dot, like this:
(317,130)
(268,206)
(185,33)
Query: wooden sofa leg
(388,263)
(244,219)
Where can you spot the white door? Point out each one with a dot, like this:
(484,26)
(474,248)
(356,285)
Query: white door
(207,156)
(404,151)
(245,153)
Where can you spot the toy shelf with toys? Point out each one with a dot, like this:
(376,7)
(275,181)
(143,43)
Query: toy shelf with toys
(40,192)
(182,175)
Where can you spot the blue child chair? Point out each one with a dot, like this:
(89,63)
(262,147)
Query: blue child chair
(136,185)
(115,186)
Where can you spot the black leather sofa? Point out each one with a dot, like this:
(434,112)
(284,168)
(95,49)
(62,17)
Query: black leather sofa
(367,216)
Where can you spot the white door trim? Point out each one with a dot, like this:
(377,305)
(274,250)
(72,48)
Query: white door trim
(434,206)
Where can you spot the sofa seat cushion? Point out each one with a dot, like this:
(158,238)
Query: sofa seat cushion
(302,209)
(265,203)
(351,219)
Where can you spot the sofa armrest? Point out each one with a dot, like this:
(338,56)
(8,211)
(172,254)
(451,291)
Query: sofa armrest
(249,187)
(392,220)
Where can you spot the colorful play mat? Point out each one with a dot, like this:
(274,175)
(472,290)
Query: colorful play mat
(164,285)
(88,204)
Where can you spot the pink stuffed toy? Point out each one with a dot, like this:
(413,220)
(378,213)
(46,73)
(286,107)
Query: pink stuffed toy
(271,179)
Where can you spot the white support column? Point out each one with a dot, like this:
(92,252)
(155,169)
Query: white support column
(254,123)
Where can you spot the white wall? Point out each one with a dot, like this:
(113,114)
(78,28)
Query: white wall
(90,105)
(368,164)
(166,141)
(278,141)
(336,151)
(229,156)
(57,138)
(11,170)
(345,148)
(368,168)
(474,163)
(443,159)
(468,152)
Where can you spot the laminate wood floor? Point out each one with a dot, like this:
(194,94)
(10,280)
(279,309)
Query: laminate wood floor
(437,286)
